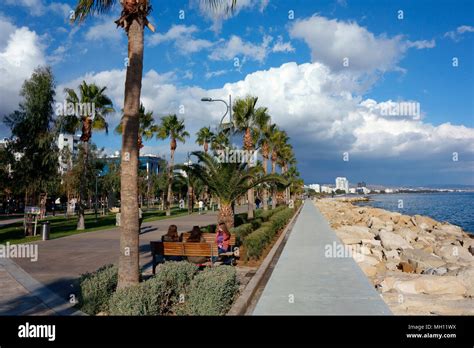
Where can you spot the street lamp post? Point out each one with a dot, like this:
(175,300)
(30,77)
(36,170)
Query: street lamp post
(227,104)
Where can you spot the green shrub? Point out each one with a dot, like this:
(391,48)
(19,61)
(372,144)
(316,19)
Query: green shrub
(175,278)
(241,232)
(211,292)
(96,289)
(266,214)
(255,242)
(256,223)
(146,298)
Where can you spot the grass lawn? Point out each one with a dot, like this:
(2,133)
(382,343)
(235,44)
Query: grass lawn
(62,226)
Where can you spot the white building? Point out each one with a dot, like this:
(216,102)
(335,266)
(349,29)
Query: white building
(352,190)
(315,187)
(71,142)
(342,184)
(326,189)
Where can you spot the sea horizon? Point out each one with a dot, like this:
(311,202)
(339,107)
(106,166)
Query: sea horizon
(452,207)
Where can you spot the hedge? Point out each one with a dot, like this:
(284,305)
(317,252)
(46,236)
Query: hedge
(175,277)
(96,288)
(211,292)
(265,215)
(256,241)
(146,298)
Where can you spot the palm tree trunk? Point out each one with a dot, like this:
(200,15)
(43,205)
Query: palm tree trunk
(251,203)
(265,191)
(226,215)
(170,182)
(274,194)
(128,273)
(190,199)
(82,190)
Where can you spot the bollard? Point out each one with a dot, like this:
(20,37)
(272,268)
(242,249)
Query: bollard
(45,230)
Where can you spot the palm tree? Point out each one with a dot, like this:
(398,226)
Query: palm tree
(91,107)
(278,140)
(204,136)
(133,20)
(245,114)
(265,130)
(146,127)
(220,141)
(227,181)
(173,128)
(286,158)
(146,130)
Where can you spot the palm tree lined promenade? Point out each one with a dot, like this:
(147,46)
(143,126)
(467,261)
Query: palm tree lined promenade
(240,178)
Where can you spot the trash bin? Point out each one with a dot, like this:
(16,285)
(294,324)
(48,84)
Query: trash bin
(45,230)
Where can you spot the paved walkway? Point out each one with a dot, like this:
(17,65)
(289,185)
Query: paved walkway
(305,282)
(61,261)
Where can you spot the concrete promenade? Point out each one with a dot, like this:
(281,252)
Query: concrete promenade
(306,282)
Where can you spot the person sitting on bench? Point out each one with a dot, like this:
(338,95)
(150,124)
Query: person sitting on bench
(222,241)
(171,236)
(196,237)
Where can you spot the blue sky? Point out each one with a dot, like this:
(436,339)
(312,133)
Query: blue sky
(295,65)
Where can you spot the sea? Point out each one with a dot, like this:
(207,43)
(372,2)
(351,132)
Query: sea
(456,208)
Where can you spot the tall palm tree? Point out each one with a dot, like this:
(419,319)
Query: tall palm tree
(220,141)
(278,140)
(227,181)
(146,129)
(245,112)
(286,158)
(265,130)
(173,128)
(204,136)
(133,20)
(91,106)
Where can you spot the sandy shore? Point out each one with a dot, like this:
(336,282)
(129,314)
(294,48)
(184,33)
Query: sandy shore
(419,265)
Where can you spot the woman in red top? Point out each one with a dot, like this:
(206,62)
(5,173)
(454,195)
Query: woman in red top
(222,238)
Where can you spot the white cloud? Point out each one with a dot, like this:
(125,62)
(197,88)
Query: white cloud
(421,44)
(322,110)
(211,74)
(281,46)
(456,35)
(220,14)
(336,43)
(182,36)
(21,51)
(106,29)
(236,47)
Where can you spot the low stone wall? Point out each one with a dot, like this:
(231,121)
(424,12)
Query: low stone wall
(420,265)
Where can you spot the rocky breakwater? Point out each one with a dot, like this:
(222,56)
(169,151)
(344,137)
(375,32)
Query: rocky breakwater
(419,265)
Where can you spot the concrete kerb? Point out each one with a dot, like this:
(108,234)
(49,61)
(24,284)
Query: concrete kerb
(35,288)
(243,302)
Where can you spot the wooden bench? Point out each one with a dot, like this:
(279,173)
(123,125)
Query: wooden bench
(209,237)
(185,249)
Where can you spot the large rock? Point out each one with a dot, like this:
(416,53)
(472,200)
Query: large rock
(425,284)
(421,260)
(353,234)
(425,223)
(375,223)
(392,255)
(452,230)
(392,241)
(368,269)
(466,275)
(407,233)
(453,253)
